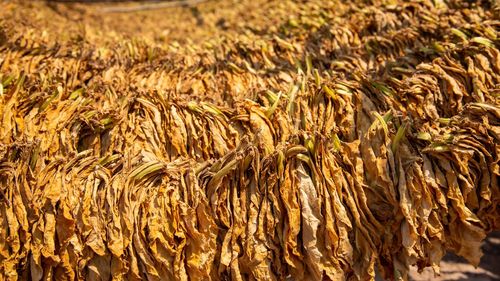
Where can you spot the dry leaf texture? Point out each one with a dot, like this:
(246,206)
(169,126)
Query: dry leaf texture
(247,140)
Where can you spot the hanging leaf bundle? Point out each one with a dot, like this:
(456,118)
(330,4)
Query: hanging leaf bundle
(258,140)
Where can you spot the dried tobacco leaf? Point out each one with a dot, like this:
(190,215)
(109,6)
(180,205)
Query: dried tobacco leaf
(263,140)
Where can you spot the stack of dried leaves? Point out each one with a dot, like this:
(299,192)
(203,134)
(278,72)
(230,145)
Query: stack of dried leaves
(264,140)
